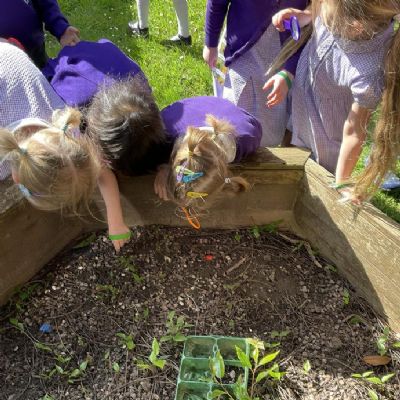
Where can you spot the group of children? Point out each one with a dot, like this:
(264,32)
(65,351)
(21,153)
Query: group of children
(90,111)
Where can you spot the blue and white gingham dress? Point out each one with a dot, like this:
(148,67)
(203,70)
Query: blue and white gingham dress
(331,75)
(24,92)
(245,80)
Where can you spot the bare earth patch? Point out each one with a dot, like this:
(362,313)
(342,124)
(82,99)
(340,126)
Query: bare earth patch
(233,283)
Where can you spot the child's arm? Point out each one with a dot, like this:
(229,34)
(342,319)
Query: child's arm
(215,16)
(56,23)
(304,17)
(108,186)
(354,133)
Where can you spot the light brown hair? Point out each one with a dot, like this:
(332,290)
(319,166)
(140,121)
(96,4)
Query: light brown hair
(202,151)
(58,170)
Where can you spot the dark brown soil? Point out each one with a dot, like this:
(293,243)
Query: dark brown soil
(228,283)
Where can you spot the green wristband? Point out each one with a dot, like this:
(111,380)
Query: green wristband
(284,75)
(121,236)
(339,186)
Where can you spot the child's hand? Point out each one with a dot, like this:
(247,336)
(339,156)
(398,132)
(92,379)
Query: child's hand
(304,17)
(160,183)
(119,230)
(279,91)
(70,37)
(210,55)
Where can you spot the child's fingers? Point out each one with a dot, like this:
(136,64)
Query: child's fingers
(269,84)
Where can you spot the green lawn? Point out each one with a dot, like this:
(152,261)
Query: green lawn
(173,73)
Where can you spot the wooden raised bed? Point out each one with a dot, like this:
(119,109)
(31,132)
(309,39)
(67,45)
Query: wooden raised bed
(363,244)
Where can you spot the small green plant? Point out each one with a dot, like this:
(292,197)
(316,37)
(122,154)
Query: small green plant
(126,341)
(373,395)
(116,367)
(346,297)
(23,294)
(370,377)
(153,357)
(71,375)
(47,397)
(307,367)
(382,341)
(17,324)
(237,237)
(280,334)
(128,264)
(155,361)
(256,363)
(107,291)
(272,227)
(175,326)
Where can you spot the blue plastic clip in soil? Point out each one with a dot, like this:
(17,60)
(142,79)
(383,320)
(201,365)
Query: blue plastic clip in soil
(195,380)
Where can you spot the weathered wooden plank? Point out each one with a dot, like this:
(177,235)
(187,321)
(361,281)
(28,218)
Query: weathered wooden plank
(364,244)
(28,240)
(276,158)
(266,202)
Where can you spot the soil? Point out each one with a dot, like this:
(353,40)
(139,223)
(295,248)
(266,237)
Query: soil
(230,283)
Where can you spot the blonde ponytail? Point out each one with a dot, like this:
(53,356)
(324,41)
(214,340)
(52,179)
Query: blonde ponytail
(58,170)
(204,151)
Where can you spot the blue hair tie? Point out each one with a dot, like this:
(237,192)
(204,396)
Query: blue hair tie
(24,190)
(192,177)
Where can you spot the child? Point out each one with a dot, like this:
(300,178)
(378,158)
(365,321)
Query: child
(252,43)
(58,167)
(24,19)
(141,27)
(78,72)
(347,66)
(198,172)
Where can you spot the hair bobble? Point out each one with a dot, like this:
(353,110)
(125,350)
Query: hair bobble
(228,180)
(65,127)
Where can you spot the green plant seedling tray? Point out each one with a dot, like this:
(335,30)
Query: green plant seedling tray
(194,379)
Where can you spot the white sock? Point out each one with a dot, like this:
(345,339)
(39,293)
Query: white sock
(182,14)
(143,13)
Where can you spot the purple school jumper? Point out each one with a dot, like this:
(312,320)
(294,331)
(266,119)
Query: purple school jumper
(192,112)
(24,19)
(78,72)
(332,74)
(246,22)
(252,45)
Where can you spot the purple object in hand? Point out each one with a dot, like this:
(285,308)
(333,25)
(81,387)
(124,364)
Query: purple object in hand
(293,26)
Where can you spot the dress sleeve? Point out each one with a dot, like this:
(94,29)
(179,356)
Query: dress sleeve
(215,15)
(367,89)
(50,13)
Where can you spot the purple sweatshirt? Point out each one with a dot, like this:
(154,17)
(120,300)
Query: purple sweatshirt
(247,20)
(192,112)
(24,19)
(78,72)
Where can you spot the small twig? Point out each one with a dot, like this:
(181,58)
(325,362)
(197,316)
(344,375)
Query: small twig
(237,265)
(306,245)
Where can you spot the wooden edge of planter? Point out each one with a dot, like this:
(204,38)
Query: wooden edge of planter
(271,198)
(363,243)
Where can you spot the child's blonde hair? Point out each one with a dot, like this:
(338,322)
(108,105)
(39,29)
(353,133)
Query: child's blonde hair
(369,17)
(57,168)
(202,151)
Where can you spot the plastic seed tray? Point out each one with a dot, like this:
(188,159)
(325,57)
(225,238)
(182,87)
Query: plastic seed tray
(195,380)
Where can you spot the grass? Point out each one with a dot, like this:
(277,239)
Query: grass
(173,73)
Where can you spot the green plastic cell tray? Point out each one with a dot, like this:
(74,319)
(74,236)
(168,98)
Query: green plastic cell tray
(194,373)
